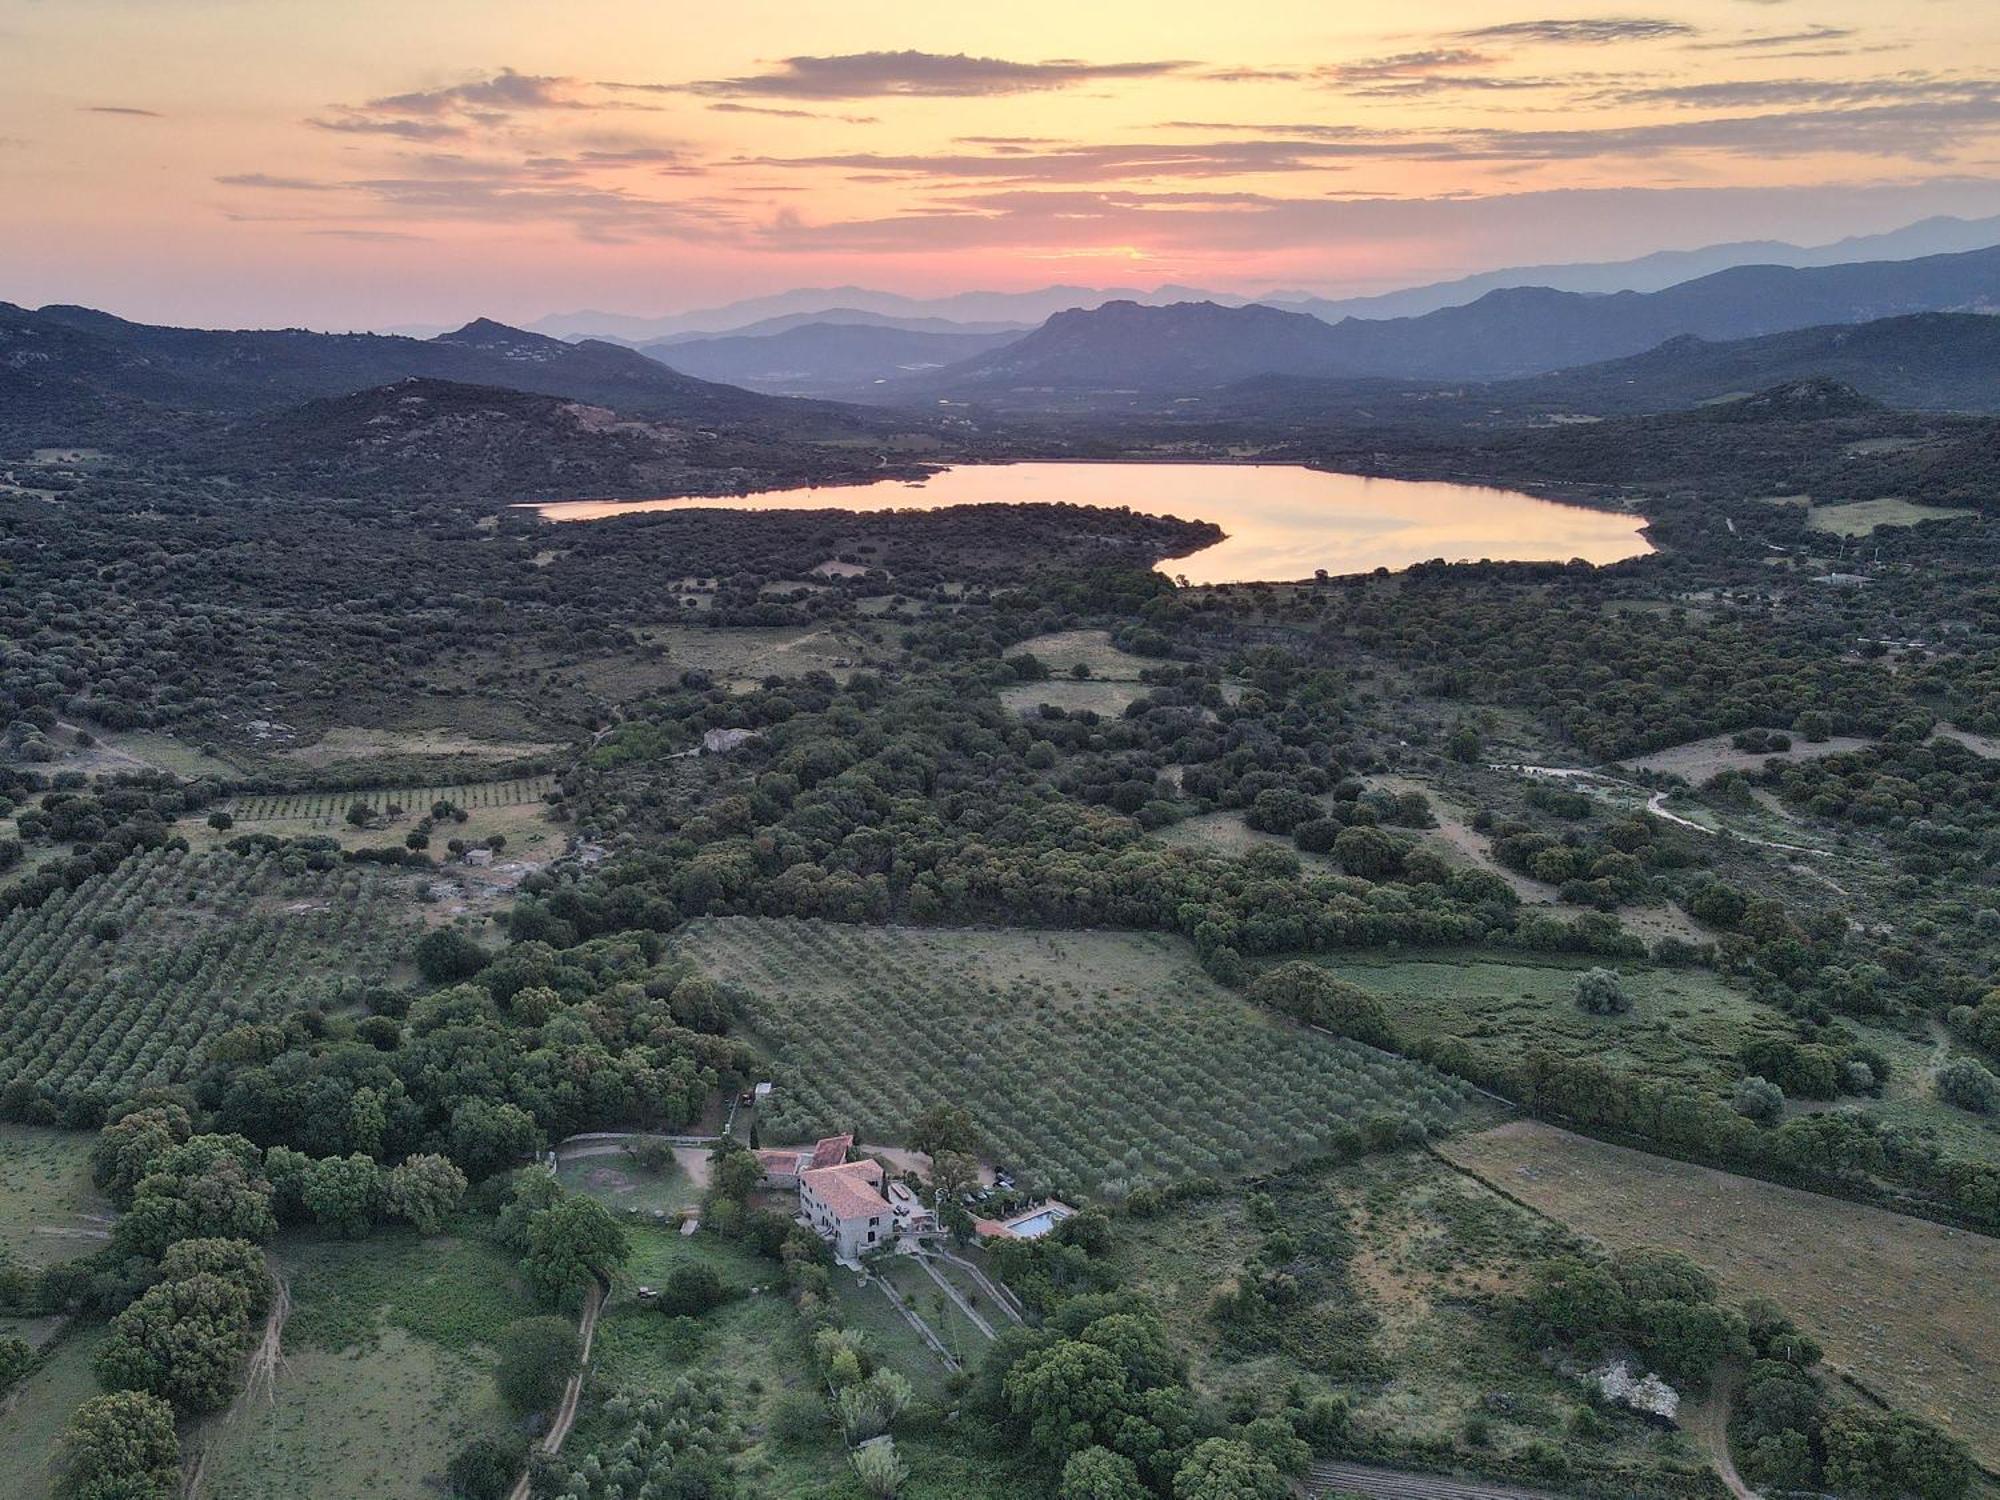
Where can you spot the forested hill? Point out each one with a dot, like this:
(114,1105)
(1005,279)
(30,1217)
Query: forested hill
(75,352)
(443,438)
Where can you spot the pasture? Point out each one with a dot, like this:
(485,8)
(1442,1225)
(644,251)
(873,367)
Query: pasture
(121,982)
(33,1416)
(1909,1308)
(1685,1025)
(1698,760)
(1062,651)
(1092,1062)
(49,1211)
(386,1372)
(1860,517)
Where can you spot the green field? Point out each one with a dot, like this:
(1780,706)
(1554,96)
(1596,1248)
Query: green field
(1092,1061)
(386,1372)
(49,1210)
(121,982)
(1686,1025)
(34,1415)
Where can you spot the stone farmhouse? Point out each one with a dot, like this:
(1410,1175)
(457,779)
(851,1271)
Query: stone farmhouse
(847,1204)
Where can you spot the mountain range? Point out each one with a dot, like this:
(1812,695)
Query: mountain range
(818,359)
(1124,350)
(991,312)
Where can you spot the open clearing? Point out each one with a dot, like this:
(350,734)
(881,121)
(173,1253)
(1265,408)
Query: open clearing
(1698,760)
(1062,651)
(1860,517)
(327,809)
(386,1372)
(1911,1309)
(48,1209)
(745,655)
(1107,699)
(34,1415)
(1685,1025)
(1093,1061)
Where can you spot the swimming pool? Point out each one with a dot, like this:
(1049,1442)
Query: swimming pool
(1039,1223)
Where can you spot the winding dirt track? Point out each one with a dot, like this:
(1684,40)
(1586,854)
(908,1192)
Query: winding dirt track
(573,1392)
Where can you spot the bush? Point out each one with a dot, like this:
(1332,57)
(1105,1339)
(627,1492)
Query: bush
(692,1290)
(537,1357)
(1759,1099)
(1966,1082)
(1601,992)
(485,1468)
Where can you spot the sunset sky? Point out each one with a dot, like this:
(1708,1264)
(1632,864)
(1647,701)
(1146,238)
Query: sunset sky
(361,163)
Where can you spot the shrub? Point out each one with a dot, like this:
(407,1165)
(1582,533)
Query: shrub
(537,1357)
(485,1468)
(1759,1099)
(1601,992)
(1966,1082)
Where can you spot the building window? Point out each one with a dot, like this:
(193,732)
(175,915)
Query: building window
(871,1236)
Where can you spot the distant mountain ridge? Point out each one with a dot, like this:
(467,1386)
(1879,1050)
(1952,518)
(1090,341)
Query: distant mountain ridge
(1190,347)
(78,350)
(1938,235)
(817,359)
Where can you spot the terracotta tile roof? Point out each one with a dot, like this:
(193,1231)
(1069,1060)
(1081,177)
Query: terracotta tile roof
(831,1151)
(849,1192)
(775,1159)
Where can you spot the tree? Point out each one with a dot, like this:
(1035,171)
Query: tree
(1307,992)
(120,1447)
(485,1468)
(485,1137)
(237,1262)
(944,1127)
(424,1190)
(572,1243)
(210,1186)
(1065,1392)
(537,1357)
(1970,1085)
(1367,852)
(1225,1469)
(220,821)
(1100,1474)
(1601,992)
(181,1341)
(880,1471)
(127,1147)
(344,1193)
(733,1172)
(445,956)
(1888,1456)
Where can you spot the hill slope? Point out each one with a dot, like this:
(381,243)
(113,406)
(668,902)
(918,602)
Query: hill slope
(75,350)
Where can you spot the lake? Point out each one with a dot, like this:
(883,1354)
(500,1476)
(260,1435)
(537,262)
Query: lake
(1284,522)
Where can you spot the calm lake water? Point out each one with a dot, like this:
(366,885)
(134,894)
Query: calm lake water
(1284,522)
